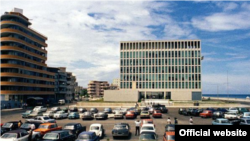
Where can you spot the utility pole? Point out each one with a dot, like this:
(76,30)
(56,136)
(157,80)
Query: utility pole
(218,91)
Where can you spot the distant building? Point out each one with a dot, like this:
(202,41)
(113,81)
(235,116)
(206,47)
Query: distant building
(168,69)
(96,88)
(116,82)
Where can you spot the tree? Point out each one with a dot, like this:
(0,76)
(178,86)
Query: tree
(84,92)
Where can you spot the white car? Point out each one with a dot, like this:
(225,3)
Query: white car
(231,115)
(60,114)
(233,109)
(118,114)
(97,128)
(246,115)
(17,135)
(49,114)
(42,119)
(40,109)
(61,101)
(55,109)
(148,128)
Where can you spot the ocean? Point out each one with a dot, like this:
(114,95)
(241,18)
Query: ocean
(240,96)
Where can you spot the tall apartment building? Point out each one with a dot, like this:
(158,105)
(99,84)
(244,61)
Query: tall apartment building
(23,60)
(71,84)
(96,88)
(162,69)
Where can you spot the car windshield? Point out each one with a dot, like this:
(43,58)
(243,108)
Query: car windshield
(9,135)
(224,121)
(118,112)
(147,128)
(147,137)
(26,125)
(72,114)
(87,113)
(59,112)
(28,112)
(247,114)
(51,136)
(144,112)
(94,128)
(43,126)
(157,111)
(71,127)
(107,109)
(92,109)
(46,118)
(130,113)
(170,137)
(85,136)
(121,127)
(7,125)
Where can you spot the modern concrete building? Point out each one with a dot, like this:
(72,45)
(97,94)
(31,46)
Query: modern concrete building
(161,69)
(24,71)
(96,88)
(116,82)
(71,84)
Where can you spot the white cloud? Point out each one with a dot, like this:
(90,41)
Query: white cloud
(91,31)
(227,6)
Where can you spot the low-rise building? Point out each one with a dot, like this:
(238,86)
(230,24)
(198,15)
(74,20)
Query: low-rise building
(96,88)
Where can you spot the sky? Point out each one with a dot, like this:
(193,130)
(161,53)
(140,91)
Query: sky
(84,36)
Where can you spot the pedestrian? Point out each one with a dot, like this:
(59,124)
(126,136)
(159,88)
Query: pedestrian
(30,135)
(19,123)
(169,120)
(32,127)
(175,121)
(137,127)
(191,121)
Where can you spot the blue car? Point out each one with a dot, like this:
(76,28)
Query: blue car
(221,121)
(73,115)
(88,136)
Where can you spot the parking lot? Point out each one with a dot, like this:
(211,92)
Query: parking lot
(108,124)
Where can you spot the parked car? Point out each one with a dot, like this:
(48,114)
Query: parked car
(145,114)
(195,112)
(74,128)
(73,109)
(245,121)
(35,114)
(118,114)
(49,114)
(60,115)
(27,125)
(135,110)
(98,129)
(211,109)
(232,115)
(169,136)
(65,109)
(221,121)
(147,121)
(40,109)
(61,135)
(42,119)
(246,115)
(87,115)
(150,110)
(130,114)
(87,136)
(243,110)
(3,130)
(17,135)
(116,109)
(93,110)
(124,110)
(101,115)
(46,127)
(206,113)
(148,128)
(11,125)
(233,109)
(163,109)
(61,102)
(148,136)
(73,115)
(224,110)
(180,111)
(107,110)
(157,114)
(217,114)
(170,127)
(26,114)
(55,109)
(82,110)
(121,130)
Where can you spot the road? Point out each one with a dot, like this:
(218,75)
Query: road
(109,123)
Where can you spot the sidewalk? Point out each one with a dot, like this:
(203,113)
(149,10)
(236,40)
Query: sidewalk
(12,109)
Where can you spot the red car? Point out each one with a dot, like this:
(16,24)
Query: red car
(206,113)
(130,114)
(157,113)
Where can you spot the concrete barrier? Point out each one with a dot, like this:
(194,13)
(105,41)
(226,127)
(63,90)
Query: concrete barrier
(105,104)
